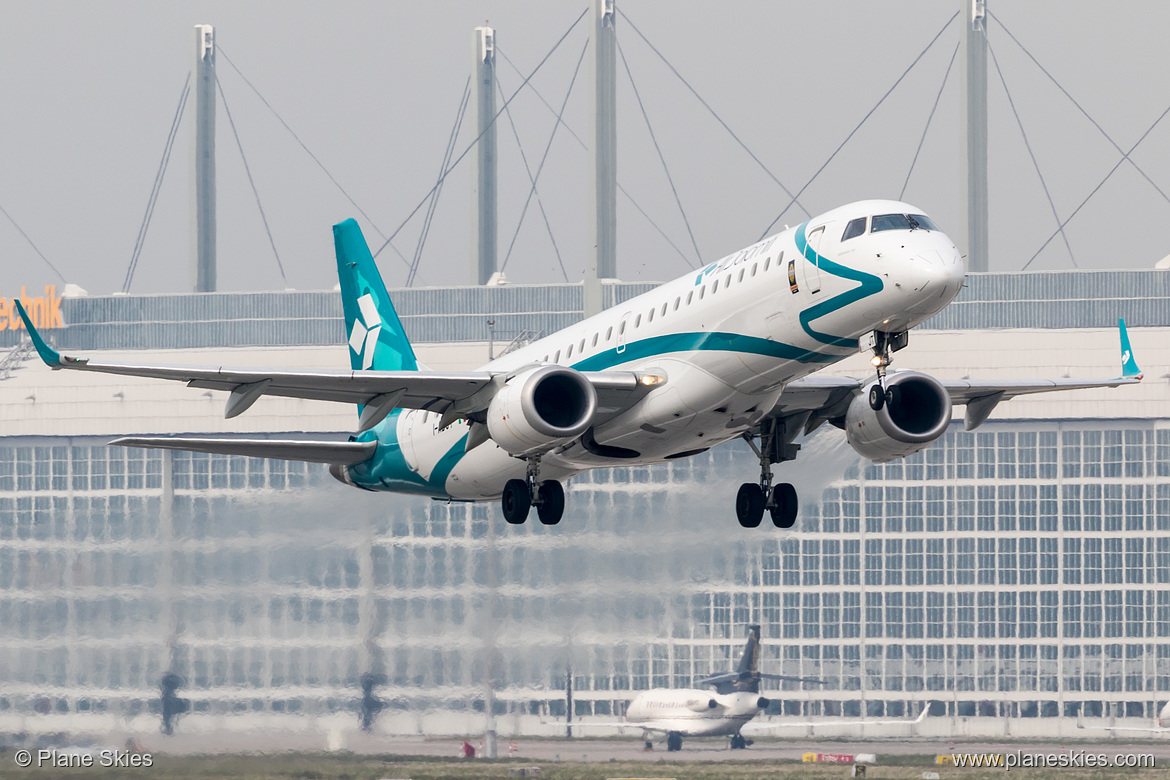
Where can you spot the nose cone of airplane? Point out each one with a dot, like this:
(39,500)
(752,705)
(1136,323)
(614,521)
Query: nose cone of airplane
(932,278)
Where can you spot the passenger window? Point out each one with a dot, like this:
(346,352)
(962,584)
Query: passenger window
(702,292)
(637,321)
(581,346)
(754,268)
(663,309)
(676,302)
(650,316)
(727,281)
(609,333)
(569,354)
(855,228)
(690,295)
(767,261)
(557,357)
(622,328)
(740,279)
(714,288)
(595,339)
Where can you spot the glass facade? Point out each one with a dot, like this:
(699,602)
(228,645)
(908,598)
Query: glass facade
(1017,571)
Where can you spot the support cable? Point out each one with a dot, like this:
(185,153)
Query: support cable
(321,165)
(475,140)
(1028,146)
(532,180)
(718,119)
(930,118)
(30,243)
(156,187)
(426,228)
(1079,106)
(251,182)
(661,158)
(864,119)
(1124,156)
(582,144)
(544,157)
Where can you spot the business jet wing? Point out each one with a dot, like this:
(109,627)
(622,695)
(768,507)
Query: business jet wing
(827,398)
(764,727)
(445,392)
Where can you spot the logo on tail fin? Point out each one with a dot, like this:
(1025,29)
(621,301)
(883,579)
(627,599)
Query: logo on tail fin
(363,337)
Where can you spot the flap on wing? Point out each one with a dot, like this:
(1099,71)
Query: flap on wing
(342,452)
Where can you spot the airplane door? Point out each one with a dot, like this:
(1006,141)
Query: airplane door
(621,333)
(812,271)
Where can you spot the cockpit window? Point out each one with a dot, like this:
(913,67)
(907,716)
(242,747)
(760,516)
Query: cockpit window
(924,222)
(901,222)
(856,227)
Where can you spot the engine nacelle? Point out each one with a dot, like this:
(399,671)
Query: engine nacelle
(541,408)
(702,706)
(743,704)
(916,415)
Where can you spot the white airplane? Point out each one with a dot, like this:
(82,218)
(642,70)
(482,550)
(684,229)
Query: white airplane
(1163,721)
(694,712)
(723,353)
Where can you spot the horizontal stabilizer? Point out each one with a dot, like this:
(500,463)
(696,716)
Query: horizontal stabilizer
(343,452)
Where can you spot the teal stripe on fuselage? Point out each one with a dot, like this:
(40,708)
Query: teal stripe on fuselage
(388,470)
(869,284)
(656,346)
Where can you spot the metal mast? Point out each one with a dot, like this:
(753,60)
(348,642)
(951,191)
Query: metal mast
(603,181)
(973,126)
(484,217)
(203,162)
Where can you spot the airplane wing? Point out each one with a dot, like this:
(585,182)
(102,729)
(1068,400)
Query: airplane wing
(342,452)
(1150,730)
(452,394)
(757,727)
(825,398)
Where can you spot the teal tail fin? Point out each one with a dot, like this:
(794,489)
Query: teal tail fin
(1129,366)
(377,340)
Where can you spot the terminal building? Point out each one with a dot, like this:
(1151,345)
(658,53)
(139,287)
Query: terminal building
(1015,578)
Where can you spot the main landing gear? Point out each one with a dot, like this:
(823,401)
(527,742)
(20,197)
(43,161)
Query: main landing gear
(780,500)
(521,494)
(739,742)
(673,741)
(882,345)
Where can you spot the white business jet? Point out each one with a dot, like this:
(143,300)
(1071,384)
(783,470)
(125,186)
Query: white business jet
(1162,724)
(726,352)
(694,712)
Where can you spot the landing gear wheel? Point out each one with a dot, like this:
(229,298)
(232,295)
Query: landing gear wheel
(551,502)
(674,741)
(877,397)
(749,505)
(892,395)
(784,505)
(516,501)
(738,742)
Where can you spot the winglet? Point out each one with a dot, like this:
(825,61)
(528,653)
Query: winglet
(1129,366)
(51,356)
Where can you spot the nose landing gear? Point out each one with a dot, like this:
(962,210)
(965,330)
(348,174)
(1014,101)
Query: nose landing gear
(882,344)
(521,494)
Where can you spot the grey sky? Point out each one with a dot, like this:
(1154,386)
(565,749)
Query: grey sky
(373,87)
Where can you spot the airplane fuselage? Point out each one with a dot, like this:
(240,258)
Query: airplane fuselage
(728,338)
(688,712)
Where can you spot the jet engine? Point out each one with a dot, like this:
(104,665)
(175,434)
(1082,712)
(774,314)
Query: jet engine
(916,413)
(744,704)
(541,408)
(702,706)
